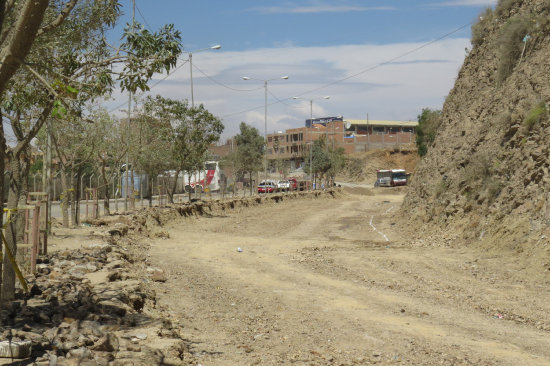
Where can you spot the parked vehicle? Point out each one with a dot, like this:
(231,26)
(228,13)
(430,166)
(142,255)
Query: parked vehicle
(208,177)
(267,187)
(283,185)
(293,183)
(383,182)
(390,178)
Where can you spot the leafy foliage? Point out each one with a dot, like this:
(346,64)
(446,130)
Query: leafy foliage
(428,123)
(250,147)
(149,53)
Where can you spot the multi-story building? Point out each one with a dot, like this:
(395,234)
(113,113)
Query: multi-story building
(351,135)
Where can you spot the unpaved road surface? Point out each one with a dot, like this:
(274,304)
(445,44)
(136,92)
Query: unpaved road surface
(317,284)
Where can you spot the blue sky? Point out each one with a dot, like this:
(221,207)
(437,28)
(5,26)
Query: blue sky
(318,44)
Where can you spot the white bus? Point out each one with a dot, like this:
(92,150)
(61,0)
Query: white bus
(209,178)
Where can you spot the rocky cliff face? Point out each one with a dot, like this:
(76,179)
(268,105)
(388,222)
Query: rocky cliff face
(485,180)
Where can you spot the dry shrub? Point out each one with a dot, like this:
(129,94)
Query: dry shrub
(504,6)
(481,28)
(481,178)
(511,45)
(536,114)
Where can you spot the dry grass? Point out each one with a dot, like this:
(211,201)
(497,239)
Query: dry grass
(511,45)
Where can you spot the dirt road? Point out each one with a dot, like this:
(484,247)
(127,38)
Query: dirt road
(331,282)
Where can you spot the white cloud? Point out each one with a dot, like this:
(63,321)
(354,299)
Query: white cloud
(398,90)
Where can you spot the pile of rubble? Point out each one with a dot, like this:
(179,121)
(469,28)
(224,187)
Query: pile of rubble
(90,307)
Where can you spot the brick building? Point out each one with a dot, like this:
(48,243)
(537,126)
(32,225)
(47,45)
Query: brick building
(351,135)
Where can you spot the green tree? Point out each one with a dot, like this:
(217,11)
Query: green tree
(154,142)
(428,123)
(194,136)
(70,65)
(248,157)
(320,160)
(337,164)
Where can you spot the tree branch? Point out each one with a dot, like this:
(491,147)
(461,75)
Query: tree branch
(19,38)
(60,18)
(22,145)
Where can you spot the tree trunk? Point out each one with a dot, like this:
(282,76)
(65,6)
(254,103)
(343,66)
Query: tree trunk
(106,208)
(64,198)
(2,171)
(71,197)
(75,196)
(150,191)
(132,190)
(173,189)
(250,182)
(15,186)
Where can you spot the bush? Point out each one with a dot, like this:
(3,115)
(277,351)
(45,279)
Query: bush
(480,29)
(535,115)
(428,123)
(504,6)
(511,45)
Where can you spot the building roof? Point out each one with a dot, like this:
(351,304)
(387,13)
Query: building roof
(371,122)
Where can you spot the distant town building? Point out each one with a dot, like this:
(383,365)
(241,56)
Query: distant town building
(352,135)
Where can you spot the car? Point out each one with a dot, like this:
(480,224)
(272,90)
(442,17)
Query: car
(283,185)
(267,187)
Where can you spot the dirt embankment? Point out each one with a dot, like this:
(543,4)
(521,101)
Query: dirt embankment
(485,181)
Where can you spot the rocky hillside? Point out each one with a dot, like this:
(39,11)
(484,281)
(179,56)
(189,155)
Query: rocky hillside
(485,179)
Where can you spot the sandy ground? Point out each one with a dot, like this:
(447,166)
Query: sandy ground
(332,282)
(315,283)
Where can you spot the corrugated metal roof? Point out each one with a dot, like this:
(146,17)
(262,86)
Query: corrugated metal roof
(382,123)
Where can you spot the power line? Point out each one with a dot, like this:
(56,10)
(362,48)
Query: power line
(154,85)
(144,20)
(224,85)
(371,68)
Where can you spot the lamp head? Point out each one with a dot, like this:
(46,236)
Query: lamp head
(284,77)
(216,47)
(246,78)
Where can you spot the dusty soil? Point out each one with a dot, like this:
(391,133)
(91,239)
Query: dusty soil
(313,283)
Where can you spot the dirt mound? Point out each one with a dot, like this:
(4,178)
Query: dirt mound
(485,180)
(361,167)
(149,220)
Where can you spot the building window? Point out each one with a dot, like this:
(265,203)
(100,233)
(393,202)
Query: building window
(270,139)
(378,130)
(408,129)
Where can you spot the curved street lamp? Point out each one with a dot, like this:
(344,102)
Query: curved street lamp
(190,53)
(265,115)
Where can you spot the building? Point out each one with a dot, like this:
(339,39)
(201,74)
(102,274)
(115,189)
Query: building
(372,134)
(350,134)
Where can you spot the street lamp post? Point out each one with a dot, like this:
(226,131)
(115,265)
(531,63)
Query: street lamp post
(216,47)
(265,116)
(311,126)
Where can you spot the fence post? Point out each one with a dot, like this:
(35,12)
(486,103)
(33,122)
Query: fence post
(35,236)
